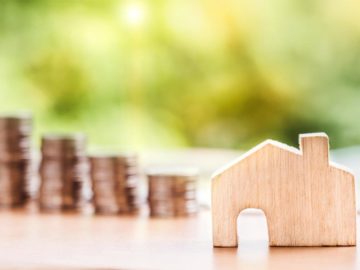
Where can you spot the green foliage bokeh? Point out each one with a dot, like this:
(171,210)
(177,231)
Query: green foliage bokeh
(193,73)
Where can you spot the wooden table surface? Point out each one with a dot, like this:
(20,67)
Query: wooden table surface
(69,241)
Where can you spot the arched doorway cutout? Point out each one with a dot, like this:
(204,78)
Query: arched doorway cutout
(252,232)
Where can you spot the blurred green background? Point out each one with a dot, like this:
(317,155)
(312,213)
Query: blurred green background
(175,73)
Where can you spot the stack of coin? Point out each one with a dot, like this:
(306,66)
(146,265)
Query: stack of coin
(64,173)
(103,178)
(115,183)
(172,192)
(16,179)
(127,190)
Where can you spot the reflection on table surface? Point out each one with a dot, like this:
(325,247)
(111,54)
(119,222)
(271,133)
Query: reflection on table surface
(67,241)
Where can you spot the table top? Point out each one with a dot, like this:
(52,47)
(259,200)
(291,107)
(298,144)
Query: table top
(70,241)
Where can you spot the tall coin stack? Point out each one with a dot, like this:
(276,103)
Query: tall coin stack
(16,181)
(115,183)
(64,173)
(172,192)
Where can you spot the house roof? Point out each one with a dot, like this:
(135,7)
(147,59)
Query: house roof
(276,144)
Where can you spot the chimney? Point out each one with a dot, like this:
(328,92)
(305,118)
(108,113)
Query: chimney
(315,148)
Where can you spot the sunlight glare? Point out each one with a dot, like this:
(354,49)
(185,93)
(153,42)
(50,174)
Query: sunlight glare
(134,14)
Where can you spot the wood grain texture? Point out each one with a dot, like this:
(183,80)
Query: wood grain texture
(307,200)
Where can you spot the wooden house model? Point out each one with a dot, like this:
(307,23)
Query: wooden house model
(307,200)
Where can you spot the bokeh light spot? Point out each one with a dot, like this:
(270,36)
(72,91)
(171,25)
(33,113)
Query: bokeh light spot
(133,14)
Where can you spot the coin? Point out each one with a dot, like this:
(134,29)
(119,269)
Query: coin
(172,192)
(15,161)
(64,173)
(115,183)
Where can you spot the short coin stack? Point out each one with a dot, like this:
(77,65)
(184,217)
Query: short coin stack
(64,173)
(16,181)
(104,184)
(127,190)
(172,192)
(115,183)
